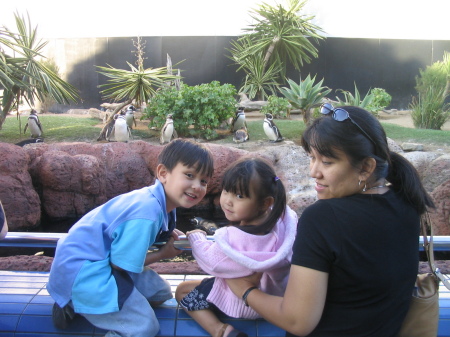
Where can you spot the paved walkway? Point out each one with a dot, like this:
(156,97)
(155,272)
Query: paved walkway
(25,311)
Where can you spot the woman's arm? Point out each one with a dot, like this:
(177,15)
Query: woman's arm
(300,310)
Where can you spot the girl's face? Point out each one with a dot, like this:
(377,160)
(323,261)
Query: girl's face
(237,208)
(335,177)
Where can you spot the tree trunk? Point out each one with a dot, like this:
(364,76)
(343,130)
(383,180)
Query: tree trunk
(102,135)
(9,99)
(270,50)
(306,116)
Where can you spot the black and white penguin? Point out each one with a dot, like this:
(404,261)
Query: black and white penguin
(238,121)
(271,130)
(34,125)
(30,141)
(118,129)
(168,130)
(241,135)
(122,132)
(129,116)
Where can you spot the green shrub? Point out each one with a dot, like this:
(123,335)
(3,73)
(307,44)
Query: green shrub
(437,75)
(277,106)
(429,110)
(381,99)
(197,110)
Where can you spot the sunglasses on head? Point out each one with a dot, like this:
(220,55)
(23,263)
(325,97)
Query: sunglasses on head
(341,115)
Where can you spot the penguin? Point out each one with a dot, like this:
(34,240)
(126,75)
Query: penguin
(168,131)
(241,135)
(208,226)
(34,125)
(271,130)
(238,120)
(129,116)
(30,141)
(122,132)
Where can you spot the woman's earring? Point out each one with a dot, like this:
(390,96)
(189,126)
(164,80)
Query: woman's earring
(365,185)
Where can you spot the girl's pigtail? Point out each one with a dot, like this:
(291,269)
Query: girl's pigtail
(279,204)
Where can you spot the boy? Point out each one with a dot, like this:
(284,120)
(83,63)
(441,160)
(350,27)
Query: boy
(98,269)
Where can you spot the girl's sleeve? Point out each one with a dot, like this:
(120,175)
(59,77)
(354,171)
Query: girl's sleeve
(212,260)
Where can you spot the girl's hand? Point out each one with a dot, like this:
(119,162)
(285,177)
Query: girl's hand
(176,233)
(195,231)
(239,285)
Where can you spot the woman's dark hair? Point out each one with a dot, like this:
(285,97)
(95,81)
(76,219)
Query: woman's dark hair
(188,153)
(327,135)
(256,175)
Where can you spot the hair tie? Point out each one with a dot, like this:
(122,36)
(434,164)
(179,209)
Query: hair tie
(276,179)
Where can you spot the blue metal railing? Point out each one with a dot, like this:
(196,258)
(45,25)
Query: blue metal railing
(49,240)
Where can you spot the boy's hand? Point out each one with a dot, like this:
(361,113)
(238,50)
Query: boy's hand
(167,251)
(195,231)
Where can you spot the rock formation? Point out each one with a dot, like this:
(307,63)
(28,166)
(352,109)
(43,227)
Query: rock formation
(63,181)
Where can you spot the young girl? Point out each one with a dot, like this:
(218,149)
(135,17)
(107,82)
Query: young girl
(260,239)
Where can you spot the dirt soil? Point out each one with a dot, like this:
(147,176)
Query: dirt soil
(398,117)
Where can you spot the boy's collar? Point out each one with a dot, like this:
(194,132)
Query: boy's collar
(160,195)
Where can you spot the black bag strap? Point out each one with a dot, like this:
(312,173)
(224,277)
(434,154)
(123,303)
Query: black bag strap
(428,247)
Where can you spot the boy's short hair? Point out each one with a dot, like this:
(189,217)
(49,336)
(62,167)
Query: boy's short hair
(188,153)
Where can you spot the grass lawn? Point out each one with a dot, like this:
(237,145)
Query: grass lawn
(68,128)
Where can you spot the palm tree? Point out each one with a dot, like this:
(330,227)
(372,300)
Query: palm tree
(278,35)
(25,77)
(137,85)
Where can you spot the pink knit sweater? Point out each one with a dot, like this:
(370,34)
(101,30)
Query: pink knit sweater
(235,253)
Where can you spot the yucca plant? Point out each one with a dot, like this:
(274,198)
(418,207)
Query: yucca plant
(25,77)
(259,82)
(282,34)
(279,36)
(136,85)
(305,95)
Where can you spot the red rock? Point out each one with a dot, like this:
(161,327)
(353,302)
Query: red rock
(19,198)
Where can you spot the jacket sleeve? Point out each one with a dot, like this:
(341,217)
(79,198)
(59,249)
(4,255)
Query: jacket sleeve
(212,260)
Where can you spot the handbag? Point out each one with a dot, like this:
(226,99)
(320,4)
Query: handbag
(423,315)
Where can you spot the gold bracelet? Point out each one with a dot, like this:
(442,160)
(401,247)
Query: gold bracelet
(244,297)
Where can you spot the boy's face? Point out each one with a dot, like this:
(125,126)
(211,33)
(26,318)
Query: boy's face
(184,186)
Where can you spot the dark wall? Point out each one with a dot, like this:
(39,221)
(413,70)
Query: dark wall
(342,62)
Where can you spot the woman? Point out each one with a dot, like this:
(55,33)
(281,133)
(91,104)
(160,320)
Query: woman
(355,257)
